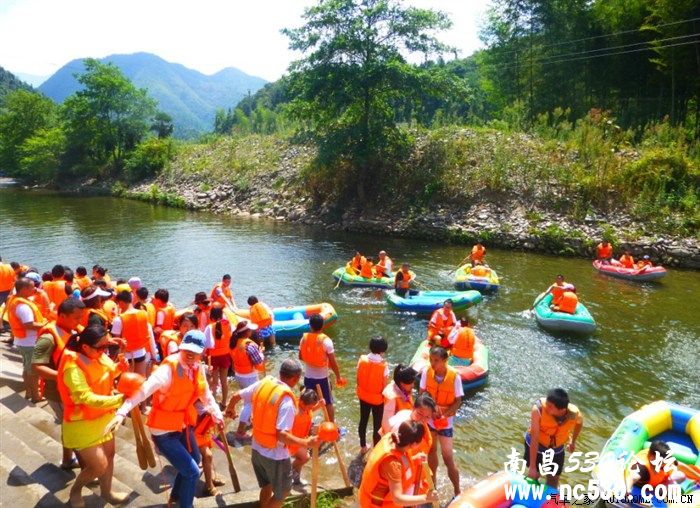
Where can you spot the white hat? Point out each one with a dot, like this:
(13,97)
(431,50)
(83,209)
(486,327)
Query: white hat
(86,295)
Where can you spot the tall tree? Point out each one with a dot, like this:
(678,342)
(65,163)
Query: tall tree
(354,71)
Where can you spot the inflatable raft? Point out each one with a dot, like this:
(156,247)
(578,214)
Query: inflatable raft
(491,493)
(473,375)
(582,322)
(678,425)
(425,302)
(464,280)
(644,275)
(348,279)
(293,322)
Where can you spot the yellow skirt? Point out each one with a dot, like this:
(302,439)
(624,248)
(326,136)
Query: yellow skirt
(87,433)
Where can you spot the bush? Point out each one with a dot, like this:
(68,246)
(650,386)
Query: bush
(149,157)
(41,155)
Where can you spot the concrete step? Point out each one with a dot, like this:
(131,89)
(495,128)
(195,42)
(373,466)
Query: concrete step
(20,488)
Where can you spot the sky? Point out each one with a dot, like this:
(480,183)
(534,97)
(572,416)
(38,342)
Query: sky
(40,36)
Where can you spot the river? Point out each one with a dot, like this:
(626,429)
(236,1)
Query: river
(646,347)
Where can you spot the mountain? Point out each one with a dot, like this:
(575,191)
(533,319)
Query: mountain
(10,82)
(32,79)
(189,96)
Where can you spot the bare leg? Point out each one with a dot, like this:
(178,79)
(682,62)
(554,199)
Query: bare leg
(265,495)
(95,467)
(208,466)
(433,456)
(331,412)
(448,459)
(106,491)
(223,379)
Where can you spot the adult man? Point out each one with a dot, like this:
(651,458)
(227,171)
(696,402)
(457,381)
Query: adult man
(56,288)
(48,350)
(604,251)
(25,321)
(132,324)
(554,423)
(384,266)
(7,283)
(403,280)
(274,408)
(221,293)
(441,323)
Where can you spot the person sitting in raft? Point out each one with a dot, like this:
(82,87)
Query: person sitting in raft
(554,422)
(626,260)
(644,263)
(604,252)
(384,266)
(567,303)
(367,269)
(391,471)
(398,395)
(302,428)
(355,264)
(557,290)
(479,269)
(261,315)
(651,467)
(441,323)
(461,341)
(478,253)
(403,280)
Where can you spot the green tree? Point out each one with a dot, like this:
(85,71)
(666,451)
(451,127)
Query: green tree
(162,125)
(23,114)
(41,155)
(353,74)
(108,117)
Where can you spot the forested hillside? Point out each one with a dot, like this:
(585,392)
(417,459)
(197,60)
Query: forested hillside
(10,82)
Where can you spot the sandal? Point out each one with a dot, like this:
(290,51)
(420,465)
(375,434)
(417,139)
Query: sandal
(209,492)
(74,464)
(218,482)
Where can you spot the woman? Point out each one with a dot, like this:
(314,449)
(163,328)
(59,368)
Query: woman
(217,337)
(248,360)
(85,382)
(392,470)
(170,340)
(398,394)
(180,391)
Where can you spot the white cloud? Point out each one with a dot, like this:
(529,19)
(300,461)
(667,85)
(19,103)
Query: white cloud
(40,36)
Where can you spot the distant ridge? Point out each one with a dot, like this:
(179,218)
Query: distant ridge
(187,95)
(10,82)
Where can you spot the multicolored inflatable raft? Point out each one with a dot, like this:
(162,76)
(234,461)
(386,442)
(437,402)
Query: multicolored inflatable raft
(348,279)
(293,322)
(643,275)
(581,322)
(425,302)
(491,492)
(465,279)
(474,375)
(678,426)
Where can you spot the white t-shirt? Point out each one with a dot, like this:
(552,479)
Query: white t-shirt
(459,392)
(208,338)
(285,421)
(312,372)
(402,416)
(25,315)
(138,353)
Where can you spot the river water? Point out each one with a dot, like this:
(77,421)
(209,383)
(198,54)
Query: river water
(646,347)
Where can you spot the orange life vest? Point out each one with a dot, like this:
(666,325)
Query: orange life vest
(311,349)
(370,380)
(558,292)
(59,343)
(443,393)
(174,409)
(442,321)
(555,433)
(41,299)
(221,345)
(168,314)
(18,329)
(150,312)
(111,309)
(427,441)
(604,251)
(166,338)
(260,315)
(135,329)
(99,375)
(568,302)
(643,263)
(375,490)
(464,344)
(56,291)
(266,403)
(479,271)
(627,261)
(82,282)
(226,291)
(7,277)
(356,263)
(301,428)
(382,266)
(241,360)
(478,253)
(405,282)
(203,431)
(393,392)
(655,477)
(102,314)
(366,270)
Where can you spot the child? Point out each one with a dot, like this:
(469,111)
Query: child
(308,403)
(372,377)
(203,435)
(642,471)
(261,315)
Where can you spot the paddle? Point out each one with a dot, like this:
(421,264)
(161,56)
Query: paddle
(431,486)
(691,472)
(140,450)
(341,464)
(461,263)
(145,442)
(340,279)
(231,468)
(314,475)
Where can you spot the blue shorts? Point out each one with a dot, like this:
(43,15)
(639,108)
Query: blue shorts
(325,385)
(265,333)
(443,432)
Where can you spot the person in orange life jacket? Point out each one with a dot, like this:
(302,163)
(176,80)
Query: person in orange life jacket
(356,263)
(384,266)
(132,325)
(25,321)
(274,408)
(81,278)
(317,352)
(626,260)
(604,252)
(248,360)
(56,287)
(372,377)
(221,293)
(480,269)
(461,341)
(367,268)
(94,297)
(557,290)
(202,306)
(7,285)
(650,467)
(441,323)
(143,302)
(40,298)
(100,274)
(203,436)
(390,474)
(217,338)
(69,277)
(445,387)
(261,315)
(423,411)
(134,284)
(50,343)
(477,254)
(644,263)
(398,395)
(109,306)
(165,312)
(180,392)
(403,280)
(170,339)
(302,428)
(554,422)
(85,381)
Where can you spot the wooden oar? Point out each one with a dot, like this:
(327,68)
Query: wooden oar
(231,468)
(314,475)
(140,450)
(340,279)
(461,263)
(145,442)
(431,486)
(341,464)
(691,472)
